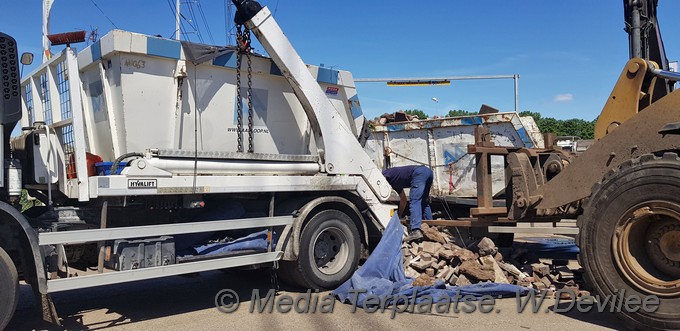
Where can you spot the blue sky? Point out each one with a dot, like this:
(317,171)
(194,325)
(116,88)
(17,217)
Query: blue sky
(568,53)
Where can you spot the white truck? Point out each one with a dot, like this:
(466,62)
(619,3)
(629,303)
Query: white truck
(145,151)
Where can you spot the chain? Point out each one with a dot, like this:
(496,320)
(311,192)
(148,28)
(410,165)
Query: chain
(250,96)
(243,40)
(273,277)
(239,104)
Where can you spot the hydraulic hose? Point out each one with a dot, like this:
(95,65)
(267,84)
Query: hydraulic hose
(114,166)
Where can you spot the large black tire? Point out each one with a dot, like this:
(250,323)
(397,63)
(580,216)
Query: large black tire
(330,247)
(629,214)
(9,289)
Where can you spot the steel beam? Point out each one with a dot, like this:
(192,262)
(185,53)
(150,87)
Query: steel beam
(536,229)
(84,236)
(66,284)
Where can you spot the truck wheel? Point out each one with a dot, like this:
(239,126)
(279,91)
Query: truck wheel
(9,289)
(630,238)
(329,252)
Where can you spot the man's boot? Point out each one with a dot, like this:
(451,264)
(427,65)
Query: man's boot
(415,236)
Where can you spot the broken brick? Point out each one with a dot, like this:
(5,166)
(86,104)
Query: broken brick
(420,265)
(541,269)
(546,281)
(430,272)
(462,281)
(430,247)
(446,254)
(426,257)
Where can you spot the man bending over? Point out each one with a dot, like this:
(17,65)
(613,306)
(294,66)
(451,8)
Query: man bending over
(419,179)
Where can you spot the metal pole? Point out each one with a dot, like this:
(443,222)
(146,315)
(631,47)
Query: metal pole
(402,79)
(177,22)
(516,79)
(636,35)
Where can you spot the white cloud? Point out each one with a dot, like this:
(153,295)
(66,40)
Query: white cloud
(565,97)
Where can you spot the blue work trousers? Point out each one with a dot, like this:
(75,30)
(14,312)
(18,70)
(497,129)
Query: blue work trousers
(419,196)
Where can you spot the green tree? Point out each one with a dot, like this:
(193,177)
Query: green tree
(417,112)
(571,127)
(459,112)
(535,115)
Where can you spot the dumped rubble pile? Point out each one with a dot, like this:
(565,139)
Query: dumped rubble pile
(399,116)
(441,256)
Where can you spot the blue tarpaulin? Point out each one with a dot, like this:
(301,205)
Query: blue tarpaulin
(198,243)
(255,241)
(550,247)
(383,275)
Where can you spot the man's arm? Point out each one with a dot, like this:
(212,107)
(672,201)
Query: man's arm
(402,203)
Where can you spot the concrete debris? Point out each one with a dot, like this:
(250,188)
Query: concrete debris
(424,280)
(546,281)
(463,255)
(438,258)
(569,292)
(441,264)
(474,271)
(539,286)
(432,234)
(540,269)
(446,254)
(431,247)
(462,281)
(411,273)
(399,116)
(486,247)
(511,269)
(499,275)
(564,273)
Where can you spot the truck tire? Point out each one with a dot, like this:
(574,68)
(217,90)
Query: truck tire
(330,247)
(630,238)
(9,289)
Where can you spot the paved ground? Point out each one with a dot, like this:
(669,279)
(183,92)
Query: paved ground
(181,303)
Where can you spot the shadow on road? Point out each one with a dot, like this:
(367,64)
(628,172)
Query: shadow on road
(605,319)
(117,306)
(122,304)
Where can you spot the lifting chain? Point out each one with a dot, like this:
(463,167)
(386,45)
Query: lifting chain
(239,104)
(250,100)
(243,44)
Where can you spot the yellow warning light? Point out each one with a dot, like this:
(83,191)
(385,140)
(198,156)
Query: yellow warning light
(418,82)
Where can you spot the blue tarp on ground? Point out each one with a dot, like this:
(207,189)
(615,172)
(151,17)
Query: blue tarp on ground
(383,275)
(553,247)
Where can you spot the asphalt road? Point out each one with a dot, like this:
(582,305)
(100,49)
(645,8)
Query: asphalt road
(182,303)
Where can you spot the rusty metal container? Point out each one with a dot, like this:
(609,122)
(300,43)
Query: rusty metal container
(442,144)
